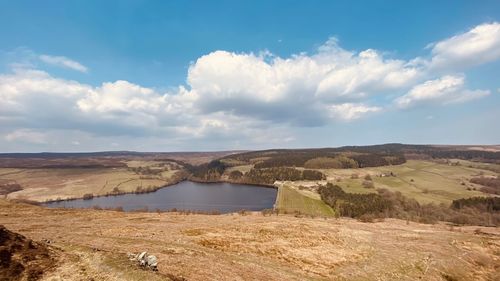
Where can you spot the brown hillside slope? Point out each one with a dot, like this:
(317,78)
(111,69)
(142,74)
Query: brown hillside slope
(22,258)
(255,247)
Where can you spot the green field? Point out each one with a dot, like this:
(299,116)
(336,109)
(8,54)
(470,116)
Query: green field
(290,200)
(422,180)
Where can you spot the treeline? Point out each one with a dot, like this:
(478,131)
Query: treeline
(476,155)
(387,204)
(146,170)
(489,185)
(208,172)
(377,159)
(352,204)
(331,160)
(270,175)
(365,156)
(338,162)
(487,204)
(213,171)
(446,152)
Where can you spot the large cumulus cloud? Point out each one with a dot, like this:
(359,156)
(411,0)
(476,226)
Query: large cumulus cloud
(229,95)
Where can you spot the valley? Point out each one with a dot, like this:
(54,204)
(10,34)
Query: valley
(390,212)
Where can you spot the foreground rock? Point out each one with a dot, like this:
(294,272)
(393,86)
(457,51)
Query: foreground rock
(145,260)
(22,258)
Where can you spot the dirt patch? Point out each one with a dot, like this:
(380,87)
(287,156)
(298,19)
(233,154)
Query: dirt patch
(22,258)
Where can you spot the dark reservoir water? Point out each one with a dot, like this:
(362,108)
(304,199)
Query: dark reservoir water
(223,197)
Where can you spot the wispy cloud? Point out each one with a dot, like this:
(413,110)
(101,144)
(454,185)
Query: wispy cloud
(64,62)
(478,45)
(445,90)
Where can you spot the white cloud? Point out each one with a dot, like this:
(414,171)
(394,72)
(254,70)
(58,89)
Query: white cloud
(63,62)
(364,74)
(230,96)
(479,45)
(33,92)
(350,111)
(445,90)
(299,89)
(121,97)
(331,74)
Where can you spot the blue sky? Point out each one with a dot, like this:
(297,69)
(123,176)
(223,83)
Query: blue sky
(212,75)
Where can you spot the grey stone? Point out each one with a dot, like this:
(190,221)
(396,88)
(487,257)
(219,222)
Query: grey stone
(152,261)
(144,260)
(142,255)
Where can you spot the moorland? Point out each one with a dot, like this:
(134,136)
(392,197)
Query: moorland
(387,212)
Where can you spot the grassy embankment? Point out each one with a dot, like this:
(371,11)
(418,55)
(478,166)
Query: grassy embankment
(291,200)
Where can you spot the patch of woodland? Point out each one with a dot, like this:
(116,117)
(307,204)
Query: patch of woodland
(336,160)
(489,184)
(213,171)
(9,187)
(298,157)
(386,204)
(270,175)
(207,172)
(364,156)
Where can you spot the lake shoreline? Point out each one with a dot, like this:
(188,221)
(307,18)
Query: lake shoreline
(150,191)
(154,189)
(224,197)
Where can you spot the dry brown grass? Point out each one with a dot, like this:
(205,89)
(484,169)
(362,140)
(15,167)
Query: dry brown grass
(62,183)
(256,247)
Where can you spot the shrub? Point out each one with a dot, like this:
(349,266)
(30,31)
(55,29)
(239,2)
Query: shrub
(367,218)
(235,175)
(88,196)
(312,175)
(368,184)
(267,212)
